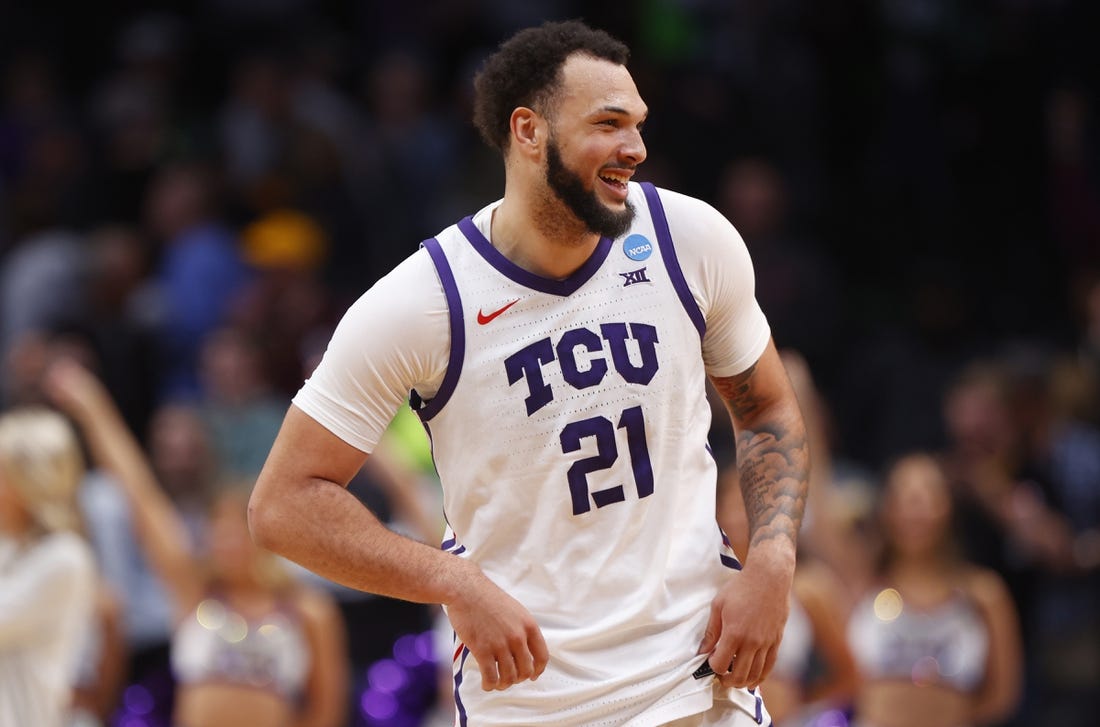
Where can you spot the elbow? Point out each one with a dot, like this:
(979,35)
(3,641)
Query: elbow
(263,521)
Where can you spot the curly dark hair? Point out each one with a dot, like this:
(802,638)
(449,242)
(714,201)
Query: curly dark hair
(526,70)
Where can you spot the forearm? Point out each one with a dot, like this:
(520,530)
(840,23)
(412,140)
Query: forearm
(115,449)
(320,525)
(773,458)
(159,529)
(773,467)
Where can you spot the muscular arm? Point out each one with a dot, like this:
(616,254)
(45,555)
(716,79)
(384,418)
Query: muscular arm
(301,510)
(772,452)
(748,615)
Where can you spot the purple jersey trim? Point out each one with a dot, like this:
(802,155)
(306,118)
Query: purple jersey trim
(510,270)
(458,331)
(729,562)
(458,683)
(668,253)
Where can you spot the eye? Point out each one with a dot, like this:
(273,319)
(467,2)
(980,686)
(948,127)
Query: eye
(613,123)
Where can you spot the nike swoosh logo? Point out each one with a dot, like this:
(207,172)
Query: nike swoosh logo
(483,319)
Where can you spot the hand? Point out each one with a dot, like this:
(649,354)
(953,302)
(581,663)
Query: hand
(500,633)
(72,387)
(746,625)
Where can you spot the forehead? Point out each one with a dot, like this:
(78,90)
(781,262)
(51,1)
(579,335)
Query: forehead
(918,477)
(589,84)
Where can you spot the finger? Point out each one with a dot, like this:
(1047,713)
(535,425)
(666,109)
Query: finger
(727,681)
(769,662)
(539,651)
(488,667)
(721,658)
(710,636)
(756,668)
(524,661)
(739,669)
(506,669)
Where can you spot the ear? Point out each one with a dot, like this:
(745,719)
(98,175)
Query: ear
(528,132)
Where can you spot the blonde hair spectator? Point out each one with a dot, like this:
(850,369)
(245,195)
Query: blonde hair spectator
(40,457)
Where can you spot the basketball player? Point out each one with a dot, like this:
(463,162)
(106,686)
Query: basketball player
(556,346)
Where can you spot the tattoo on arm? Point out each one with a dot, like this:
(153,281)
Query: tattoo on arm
(737,393)
(772,462)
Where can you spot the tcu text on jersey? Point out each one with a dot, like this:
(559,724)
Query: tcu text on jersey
(582,372)
(528,361)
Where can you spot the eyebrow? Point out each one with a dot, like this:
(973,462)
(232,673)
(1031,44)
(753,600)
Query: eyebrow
(619,110)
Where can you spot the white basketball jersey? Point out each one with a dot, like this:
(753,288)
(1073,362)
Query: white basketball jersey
(569,434)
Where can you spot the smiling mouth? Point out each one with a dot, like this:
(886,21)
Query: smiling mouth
(615,179)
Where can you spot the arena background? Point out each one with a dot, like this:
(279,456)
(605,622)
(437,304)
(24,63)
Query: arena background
(918,182)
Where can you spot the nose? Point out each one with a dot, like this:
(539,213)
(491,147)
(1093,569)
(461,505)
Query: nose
(633,149)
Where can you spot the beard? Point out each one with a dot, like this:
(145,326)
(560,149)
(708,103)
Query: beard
(583,203)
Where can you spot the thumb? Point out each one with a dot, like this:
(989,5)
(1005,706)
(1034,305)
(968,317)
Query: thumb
(714,630)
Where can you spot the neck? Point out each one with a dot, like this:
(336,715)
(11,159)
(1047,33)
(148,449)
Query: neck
(243,587)
(541,235)
(918,564)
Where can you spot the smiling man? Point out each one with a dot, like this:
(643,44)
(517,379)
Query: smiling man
(556,345)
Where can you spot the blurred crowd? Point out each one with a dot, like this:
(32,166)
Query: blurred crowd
(189,199)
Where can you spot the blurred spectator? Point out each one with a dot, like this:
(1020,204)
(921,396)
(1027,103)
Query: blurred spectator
(132,112)
(42,285)
(43,159)
(837,530)
(795,283)
(238,408)
(286,302)
(255,120)
(1011,515)
(185,461)
(1063,450)
(118,325)
(102,667)
(200,270)
(936,638)
(47,571)
(249,644)
(412,161)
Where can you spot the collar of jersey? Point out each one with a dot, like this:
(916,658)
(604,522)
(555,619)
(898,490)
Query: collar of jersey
(509,269)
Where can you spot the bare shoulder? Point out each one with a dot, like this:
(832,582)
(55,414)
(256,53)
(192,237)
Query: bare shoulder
(986,588)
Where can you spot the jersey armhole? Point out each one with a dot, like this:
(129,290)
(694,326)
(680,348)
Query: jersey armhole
(668,254)
(429,408)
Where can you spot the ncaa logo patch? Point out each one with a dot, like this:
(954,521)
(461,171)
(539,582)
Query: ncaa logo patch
(637,247)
